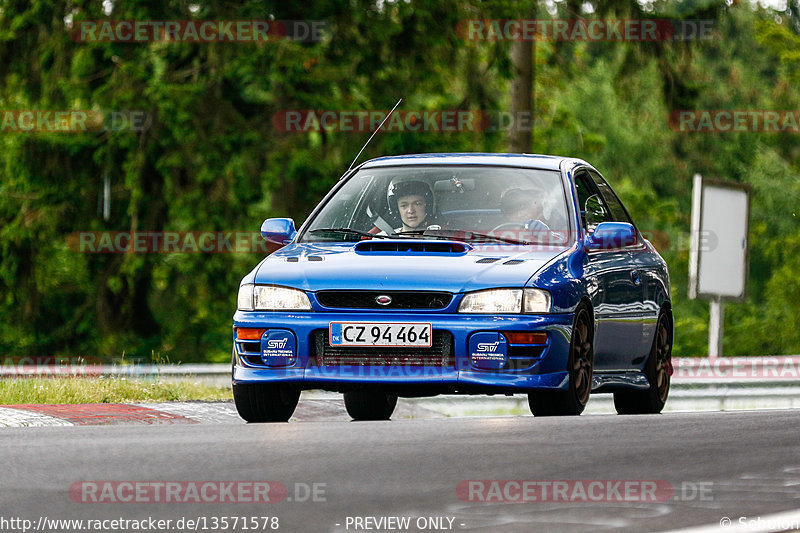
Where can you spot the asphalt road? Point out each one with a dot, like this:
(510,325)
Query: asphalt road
(705,466)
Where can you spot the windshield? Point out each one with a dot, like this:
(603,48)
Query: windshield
(480,204)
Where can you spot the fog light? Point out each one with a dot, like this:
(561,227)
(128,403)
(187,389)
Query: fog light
(525,337)
(249,334)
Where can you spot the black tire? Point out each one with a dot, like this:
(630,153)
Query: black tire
(265,402)
(369,405)
(580,365)
(652,400)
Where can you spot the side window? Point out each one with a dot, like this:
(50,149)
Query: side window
(618,213)
(582,187)
(347,211)
(591,204)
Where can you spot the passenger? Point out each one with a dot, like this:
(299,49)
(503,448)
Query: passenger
(524,207)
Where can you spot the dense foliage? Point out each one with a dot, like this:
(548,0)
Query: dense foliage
(210,158)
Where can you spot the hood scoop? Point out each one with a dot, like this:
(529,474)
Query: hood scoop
(403,247)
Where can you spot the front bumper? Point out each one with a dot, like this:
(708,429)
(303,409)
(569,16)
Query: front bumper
(527,367)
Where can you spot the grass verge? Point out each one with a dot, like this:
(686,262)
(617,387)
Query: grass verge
(105,390)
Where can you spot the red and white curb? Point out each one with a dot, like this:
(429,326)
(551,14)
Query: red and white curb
(116,413)
(313,407)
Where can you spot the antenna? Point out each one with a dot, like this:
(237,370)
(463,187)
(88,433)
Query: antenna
(373,135)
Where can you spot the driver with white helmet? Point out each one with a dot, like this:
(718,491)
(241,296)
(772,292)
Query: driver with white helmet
(413,201)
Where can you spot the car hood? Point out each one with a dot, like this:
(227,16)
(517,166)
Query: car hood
(317,266)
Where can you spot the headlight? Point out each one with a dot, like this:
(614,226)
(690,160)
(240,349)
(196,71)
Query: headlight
(497,301)
(270,298)
(536,301)
(244,302)
(492,301)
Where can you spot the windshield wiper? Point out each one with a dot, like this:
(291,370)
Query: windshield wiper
(410,232)
(460,235)
(348,231)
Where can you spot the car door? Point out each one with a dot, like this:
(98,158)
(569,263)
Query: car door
(618,295)
(649,269)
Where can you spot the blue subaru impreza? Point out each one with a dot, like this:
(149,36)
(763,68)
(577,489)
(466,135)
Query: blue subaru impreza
(427,274)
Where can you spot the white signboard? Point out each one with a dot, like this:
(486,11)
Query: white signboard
(718,254)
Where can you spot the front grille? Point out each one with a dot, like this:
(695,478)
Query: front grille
(254,360)
(251,353)
(440,354)
(400,299)
(253,347)
(523,357)
(520,351)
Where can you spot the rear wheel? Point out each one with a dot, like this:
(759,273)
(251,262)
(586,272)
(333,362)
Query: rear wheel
(580,365)
(657,369)
(369,405)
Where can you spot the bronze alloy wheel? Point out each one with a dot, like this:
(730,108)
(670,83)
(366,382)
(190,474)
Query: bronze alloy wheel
(582,357)
(657,369)
(663,353)
(580,364)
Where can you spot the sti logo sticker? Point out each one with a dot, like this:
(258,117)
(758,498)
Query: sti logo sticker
(488,351)
(488,346)
(275,344)
(278,348)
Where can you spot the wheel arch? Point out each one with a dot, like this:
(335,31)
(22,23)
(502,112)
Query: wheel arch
(666,307)
(587,302)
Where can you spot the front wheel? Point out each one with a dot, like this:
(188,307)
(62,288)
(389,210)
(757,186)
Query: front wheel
(264,402)
(580,364)
(658,369)
(369,405)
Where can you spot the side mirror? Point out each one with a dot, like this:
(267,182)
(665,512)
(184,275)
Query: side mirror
(594,210)
(278,231)
(611,235)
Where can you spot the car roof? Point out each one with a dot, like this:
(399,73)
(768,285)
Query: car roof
(547,162)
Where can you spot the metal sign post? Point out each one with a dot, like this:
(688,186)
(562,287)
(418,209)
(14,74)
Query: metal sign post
(718,249)
(716,325)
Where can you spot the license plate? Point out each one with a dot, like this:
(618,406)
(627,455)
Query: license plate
(380,334)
